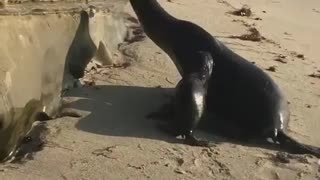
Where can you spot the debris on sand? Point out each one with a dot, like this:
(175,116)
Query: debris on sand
(89,82)
(316,11)
(169,81)
(179,171)
(315,75)
(134,34)
(142,167)
(300,56)
(281,58)
(282,157)
(271,68)
(105,152)
(244,11)
(253,36)
(308,106)
(297,55)
(286,33)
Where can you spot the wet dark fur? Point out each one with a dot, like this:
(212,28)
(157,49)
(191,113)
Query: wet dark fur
(244,101)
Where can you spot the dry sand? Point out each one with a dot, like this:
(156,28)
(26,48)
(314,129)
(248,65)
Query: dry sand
(113,139)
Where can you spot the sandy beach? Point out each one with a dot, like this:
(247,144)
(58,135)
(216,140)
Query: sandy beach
(113,139)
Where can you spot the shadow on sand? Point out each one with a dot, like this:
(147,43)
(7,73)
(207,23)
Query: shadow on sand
(121,111)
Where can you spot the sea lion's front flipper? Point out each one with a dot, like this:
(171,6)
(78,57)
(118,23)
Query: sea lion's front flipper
(189,109)
(189,102)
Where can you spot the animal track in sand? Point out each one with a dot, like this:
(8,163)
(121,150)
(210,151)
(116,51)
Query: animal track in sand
(105,152)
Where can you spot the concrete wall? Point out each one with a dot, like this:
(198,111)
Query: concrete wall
(36,54)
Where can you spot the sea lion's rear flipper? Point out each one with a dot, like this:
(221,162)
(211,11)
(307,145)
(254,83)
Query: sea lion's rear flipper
(193,141)
(293,146)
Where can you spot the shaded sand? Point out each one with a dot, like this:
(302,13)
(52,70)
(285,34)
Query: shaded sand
(113,139)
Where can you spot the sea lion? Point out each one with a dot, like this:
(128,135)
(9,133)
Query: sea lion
(82,48)
(190,65)
(189,101)
(245,101)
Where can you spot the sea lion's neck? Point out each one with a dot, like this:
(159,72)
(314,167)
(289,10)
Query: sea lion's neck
(84,20)
(150,13)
